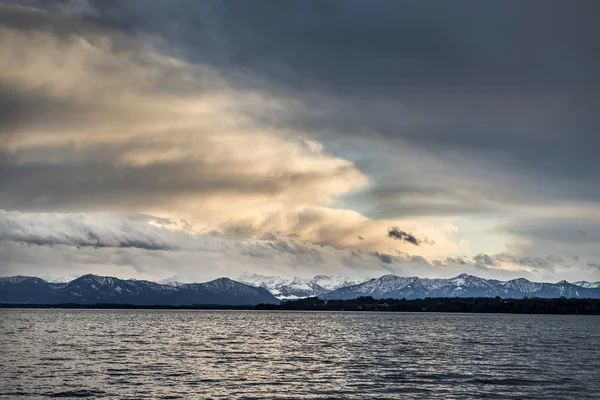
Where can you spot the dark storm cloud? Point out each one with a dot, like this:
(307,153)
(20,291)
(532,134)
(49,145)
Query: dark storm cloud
(450,109)
(20,109)
(104,184)
(396,233)
(386,45)
(76,144)
(502,86)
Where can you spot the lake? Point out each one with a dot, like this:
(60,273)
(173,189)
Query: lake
(148,354)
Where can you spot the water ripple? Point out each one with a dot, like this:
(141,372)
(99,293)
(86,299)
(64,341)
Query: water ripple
(146,354)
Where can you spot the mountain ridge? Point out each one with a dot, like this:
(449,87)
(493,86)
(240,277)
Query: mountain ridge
(296,288)
(463,285)
(91,289)
(255,289)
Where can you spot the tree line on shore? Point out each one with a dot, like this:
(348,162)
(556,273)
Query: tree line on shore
(365,303)
(447,304)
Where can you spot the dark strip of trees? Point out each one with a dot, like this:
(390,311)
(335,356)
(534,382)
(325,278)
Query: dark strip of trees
(454,304)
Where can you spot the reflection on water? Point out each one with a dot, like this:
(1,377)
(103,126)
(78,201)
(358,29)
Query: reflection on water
(141,354)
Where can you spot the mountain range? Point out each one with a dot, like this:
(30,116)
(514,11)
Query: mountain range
(464,285)
(393,286)
(92,289)
(254,289)
(297,288)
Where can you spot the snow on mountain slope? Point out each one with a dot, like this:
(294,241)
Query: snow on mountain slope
(65,279)
(171,282)
(267,289)
(18,279)
(392,286)
(271,283)
(93,289)
(333,282)
(587,285)
(521,285)
(296,288)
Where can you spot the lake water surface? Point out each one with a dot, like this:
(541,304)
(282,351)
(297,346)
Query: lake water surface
(146,354)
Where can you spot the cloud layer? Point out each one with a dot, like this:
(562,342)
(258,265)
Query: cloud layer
(140,246)
(472,128)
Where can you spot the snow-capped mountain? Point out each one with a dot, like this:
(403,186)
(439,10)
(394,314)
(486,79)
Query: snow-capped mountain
(4,280)
(65,279)
(392,286)
(588,285)
(91,289)
(171,282)
(268,282)
(287,289)
(334,282)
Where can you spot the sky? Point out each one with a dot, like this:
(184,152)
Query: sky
(194,139)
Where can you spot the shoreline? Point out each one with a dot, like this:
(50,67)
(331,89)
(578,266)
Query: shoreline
(472,305)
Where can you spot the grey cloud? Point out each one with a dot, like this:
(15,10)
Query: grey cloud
(549,262)
(31,242)
(481,267)
(554,235)
(61,170)
(69,27)
(443,195)
(495,86)
(476,108)
(390,46)
(385,258)
(478,152)
(418,260)
(397,234)
(484,259)
(406,259)
(559,230)
(492,87)
(459,261)
(493,263)
(116,231)
(97,180)
(78,230)
(20,108)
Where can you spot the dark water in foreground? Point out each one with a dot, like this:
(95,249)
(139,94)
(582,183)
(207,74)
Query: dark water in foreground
(141,354)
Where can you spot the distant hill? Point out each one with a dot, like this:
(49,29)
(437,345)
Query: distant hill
(93,289)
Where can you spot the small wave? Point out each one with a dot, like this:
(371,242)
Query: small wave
(77,393)
(507,381)
(14,394)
